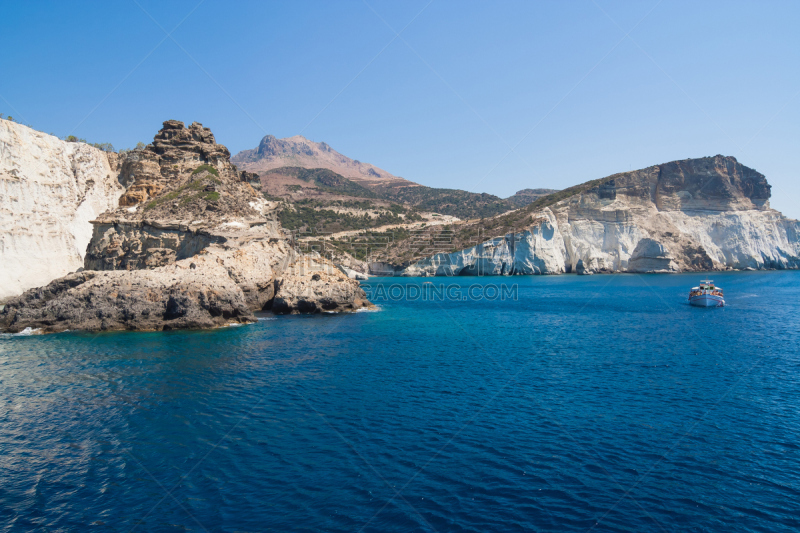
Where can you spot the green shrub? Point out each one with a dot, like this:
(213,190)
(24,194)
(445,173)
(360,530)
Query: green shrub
(207,168)
(198,186)
(106,147)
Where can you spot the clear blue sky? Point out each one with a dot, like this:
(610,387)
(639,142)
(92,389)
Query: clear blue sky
(483,96)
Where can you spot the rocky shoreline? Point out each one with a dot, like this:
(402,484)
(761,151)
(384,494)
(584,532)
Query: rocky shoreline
(695,215)
(190,246)
(173,236)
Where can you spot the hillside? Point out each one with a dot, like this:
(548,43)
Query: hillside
(298,151)
(190,244)
(527,196)
(701,214)
(277,162)
(296,183)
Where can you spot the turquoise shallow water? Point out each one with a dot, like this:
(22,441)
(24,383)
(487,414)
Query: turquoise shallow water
(600,403)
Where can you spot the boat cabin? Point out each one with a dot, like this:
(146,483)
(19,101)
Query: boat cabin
(706,287)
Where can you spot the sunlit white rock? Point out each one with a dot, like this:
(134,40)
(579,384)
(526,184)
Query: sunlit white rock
(49,191)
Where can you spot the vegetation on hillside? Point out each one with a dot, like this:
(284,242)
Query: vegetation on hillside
(139,146)
(454,202)
(469,233)
(106,147)
(314,217)
(325,180)
(484,216)
(365,246)
(527,196)
(199,189)
(206,168)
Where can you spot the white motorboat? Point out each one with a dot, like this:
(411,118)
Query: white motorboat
(707,295)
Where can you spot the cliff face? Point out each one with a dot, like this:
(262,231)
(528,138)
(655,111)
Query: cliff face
(702,214)
(49,191)
(217,287)
(184,195)
(191,245)
(175,150)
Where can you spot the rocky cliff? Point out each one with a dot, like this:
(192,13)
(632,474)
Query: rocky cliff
(222,285)
(49,191)
(697,214)
(191,245)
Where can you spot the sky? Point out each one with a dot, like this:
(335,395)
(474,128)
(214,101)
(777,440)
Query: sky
(488,97)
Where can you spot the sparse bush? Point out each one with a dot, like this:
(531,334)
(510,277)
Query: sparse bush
(106,147)
(325,181)
(197,186)
(208,168)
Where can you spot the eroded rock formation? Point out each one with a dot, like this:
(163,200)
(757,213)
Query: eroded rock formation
(175,150)
(219,286)
(698,214)
(191,245)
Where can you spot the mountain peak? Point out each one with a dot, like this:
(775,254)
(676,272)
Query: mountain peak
(297,151)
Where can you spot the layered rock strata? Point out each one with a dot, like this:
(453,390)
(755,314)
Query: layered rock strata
(191,245)
(216,287)
(49,191)
(175,150)
(692,215)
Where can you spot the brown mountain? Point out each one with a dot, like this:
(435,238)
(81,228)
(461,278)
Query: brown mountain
(298,151)
(277,162)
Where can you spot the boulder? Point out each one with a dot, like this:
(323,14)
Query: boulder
(315,285)
(651,256)
(173,297)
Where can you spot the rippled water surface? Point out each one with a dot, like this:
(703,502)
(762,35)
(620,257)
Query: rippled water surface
(600,403)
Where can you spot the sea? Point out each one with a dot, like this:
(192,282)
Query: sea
(541,403)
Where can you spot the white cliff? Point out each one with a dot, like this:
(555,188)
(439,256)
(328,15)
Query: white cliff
(190,246)
(49,191)
(702,214)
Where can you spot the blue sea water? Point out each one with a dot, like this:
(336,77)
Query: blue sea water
(595,403)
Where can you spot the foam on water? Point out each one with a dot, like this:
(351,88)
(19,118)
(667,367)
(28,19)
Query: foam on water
(24,333)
